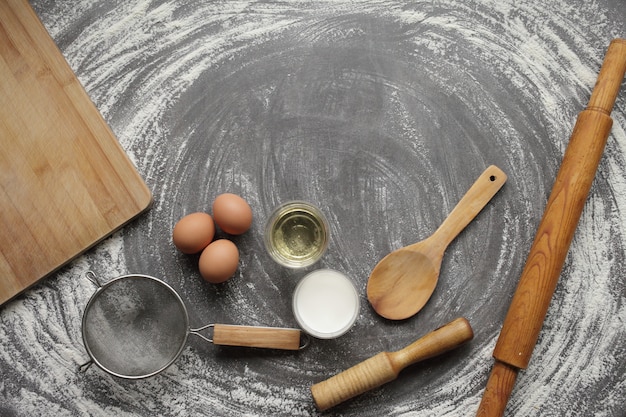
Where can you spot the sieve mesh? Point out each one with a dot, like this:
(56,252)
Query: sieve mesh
(135,326)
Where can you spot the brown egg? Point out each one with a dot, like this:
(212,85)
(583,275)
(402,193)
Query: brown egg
(232,213)
(193,232)
(219,261)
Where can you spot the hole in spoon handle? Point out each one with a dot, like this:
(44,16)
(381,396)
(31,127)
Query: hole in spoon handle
(474,200)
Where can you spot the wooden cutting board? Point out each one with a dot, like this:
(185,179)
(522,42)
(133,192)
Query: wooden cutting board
(65,182)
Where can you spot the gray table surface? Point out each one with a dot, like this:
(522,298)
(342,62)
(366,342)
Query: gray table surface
(382,113)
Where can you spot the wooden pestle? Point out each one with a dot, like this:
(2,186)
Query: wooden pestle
(538,281)
(385,366)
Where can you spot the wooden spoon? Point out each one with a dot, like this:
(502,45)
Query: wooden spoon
(403,281)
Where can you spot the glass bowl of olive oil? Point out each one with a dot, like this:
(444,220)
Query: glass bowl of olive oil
(296,234)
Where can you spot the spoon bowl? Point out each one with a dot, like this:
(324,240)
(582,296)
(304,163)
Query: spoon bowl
(393,289)
(403,281)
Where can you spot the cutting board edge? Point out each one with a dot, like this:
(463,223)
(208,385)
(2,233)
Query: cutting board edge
(57,268)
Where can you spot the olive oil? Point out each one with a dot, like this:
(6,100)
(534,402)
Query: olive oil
(296,234)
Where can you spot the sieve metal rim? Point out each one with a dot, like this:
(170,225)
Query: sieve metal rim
(99,291)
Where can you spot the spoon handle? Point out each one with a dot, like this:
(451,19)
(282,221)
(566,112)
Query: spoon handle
(476,198)
(385,366)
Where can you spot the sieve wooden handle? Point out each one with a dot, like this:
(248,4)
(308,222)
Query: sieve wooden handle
(385,366)
(258,337)
(538,281)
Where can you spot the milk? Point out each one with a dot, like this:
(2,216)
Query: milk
(325,303)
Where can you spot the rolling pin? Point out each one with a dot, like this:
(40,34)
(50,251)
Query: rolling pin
(538,281)
(385,366)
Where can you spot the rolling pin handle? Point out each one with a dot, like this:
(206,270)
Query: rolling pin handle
(609,78)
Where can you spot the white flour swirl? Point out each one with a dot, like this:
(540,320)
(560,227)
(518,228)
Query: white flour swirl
(382,113)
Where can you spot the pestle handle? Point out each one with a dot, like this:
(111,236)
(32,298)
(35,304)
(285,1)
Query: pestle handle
(538,281)
(385,366)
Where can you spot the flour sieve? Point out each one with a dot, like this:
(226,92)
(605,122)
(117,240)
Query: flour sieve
(135,326)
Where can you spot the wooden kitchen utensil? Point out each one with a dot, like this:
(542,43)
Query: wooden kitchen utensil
(385,366)
(403,281)
(65,182)
(538,281)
